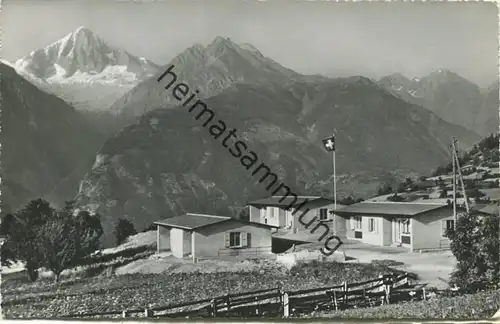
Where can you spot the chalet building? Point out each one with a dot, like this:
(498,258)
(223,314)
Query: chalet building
(207,236)
(414,226)
(275,211)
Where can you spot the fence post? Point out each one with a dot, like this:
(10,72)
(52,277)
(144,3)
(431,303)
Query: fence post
(388,287)
(286,304)
(280,299)
(424,296)
(214,307)
(125,313)
(335,300)
(381,288)
(345,289)
(228,303)
(148,313)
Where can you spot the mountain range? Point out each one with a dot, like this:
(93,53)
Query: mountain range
(210,69)
(149,159)
(84,70)
(166,163)
(451,97)
(47,146)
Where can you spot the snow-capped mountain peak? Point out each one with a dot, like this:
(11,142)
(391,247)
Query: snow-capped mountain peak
(84,69)
(83,56)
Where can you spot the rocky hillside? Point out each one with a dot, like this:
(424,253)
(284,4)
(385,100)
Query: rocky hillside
(451,97)
(167,163)
(46,145)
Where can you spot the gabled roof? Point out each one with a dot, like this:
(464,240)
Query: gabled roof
(390,208)
(191,221)
(274,201)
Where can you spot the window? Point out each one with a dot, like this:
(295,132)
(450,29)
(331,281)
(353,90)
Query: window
(405,226)
(263,212)
(371,225)
(446,226)
(236,239)
(356,222)
(323,214)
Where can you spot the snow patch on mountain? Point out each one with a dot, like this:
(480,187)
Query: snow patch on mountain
(84,70)
(83,57)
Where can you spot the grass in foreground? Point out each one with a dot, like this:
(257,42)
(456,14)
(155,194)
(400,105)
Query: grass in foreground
(481,305)
(99,294)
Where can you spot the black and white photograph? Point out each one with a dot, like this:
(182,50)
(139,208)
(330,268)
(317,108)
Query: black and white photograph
(249,160)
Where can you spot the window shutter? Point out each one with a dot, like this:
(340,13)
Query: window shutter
(228,240)
(352,223)
(244,239)
(443,227)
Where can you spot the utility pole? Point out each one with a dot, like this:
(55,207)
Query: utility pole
(466,200)
(454,182)
(456,167)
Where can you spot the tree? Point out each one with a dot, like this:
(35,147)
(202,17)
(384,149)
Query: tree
(89,231)
(490,247)
(21,230)
(443,193)
(401,187)
(395,198)
(384,189)
(474,193)
(475,243)
(41,236)
(244,214)
(349,200)
(58,244)
(68,238)
(123,229)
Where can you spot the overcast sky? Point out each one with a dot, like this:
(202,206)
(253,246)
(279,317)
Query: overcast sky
(337,39)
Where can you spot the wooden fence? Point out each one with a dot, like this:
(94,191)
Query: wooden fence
(276,302)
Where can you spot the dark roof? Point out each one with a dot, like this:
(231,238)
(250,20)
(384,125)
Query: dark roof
(274,201)
(491,209)
(390,208)
(191,221)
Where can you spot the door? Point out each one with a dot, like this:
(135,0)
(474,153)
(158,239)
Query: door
(397,230)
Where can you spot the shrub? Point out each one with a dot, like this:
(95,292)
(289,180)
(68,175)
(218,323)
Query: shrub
(475,243)
(123,229)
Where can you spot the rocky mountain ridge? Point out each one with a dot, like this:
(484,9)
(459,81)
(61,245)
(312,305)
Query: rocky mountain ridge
(451,97)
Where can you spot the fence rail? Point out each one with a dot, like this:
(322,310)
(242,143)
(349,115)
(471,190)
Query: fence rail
(277,302)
